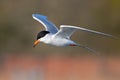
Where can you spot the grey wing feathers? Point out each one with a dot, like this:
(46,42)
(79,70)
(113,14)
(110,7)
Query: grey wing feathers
(96,32)
(65,32)
(49,26)
(84,29)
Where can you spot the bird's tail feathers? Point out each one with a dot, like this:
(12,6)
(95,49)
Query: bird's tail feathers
(89,49)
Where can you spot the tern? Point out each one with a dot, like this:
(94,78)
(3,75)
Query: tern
(51,35)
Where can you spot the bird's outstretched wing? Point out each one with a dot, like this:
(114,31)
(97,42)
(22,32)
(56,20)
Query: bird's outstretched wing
(66,31)
(49,26)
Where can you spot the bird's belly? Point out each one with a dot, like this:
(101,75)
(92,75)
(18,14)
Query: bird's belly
(60,42)
(56,41)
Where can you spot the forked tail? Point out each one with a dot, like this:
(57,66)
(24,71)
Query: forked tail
(89,49)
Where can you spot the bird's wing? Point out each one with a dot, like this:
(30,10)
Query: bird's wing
(66,31)
(49,26)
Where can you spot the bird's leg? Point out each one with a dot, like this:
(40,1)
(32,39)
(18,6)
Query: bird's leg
(72,45)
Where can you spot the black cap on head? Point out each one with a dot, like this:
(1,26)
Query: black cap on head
(42,34)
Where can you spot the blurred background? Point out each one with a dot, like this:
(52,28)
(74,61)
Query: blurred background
(18,30)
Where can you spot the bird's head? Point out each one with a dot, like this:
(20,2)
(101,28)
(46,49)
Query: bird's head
(40,35)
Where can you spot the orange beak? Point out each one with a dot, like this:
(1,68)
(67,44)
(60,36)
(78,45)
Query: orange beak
(36,42)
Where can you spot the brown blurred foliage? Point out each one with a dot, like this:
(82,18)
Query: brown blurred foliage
(18,30)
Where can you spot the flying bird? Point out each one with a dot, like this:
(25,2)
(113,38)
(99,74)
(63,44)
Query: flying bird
(51,35)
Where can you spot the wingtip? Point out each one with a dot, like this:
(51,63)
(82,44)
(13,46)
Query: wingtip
(33,15)
(117,38)
(38,15)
